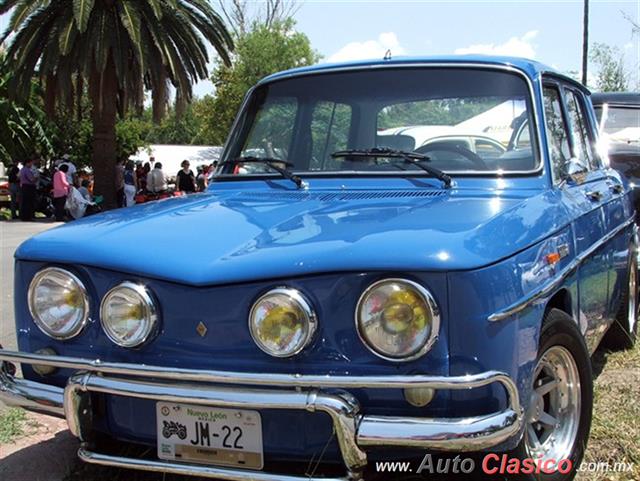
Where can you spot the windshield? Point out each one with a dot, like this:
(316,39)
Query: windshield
(620,123)
(463,120)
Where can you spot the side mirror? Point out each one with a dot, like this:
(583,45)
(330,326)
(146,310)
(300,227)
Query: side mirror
(576,171)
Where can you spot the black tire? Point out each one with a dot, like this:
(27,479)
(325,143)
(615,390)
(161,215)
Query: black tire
(560,330)
(624,331)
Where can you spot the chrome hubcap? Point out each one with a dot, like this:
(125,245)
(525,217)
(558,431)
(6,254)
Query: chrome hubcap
(554,409)
(632,310)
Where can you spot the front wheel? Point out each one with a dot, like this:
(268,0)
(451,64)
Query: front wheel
(558,417)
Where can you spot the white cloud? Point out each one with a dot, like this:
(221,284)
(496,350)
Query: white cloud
(369,48)
(515,46)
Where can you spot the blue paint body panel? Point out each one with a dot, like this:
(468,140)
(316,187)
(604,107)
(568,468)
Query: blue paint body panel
(207,257)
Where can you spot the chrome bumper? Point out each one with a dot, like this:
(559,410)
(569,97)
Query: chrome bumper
(354,430)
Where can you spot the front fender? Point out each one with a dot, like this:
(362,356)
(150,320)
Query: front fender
(510,344)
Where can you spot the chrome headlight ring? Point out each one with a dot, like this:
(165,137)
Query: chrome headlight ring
(147,319)
(60,275)
(295,310)
(428,302)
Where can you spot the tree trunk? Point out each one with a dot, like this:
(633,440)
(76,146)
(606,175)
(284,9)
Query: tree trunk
(585,42)
(103,89)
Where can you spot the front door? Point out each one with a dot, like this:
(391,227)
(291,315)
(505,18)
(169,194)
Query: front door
(585,201)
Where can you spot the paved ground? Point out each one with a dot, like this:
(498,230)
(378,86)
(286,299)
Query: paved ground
(12,233)
(47,453)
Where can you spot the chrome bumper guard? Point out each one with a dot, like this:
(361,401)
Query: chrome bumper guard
(313,393)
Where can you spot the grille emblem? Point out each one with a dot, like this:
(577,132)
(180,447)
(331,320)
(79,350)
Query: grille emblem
(202,329)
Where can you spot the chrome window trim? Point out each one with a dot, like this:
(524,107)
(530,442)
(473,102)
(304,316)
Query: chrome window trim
(85,299)
(305,306)
(540,169)
(429,301)
(553,83)
(549,287)
(150,311)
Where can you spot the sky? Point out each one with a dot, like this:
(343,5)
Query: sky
(549,31)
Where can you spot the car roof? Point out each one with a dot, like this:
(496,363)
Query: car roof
(618,98)
(531,68)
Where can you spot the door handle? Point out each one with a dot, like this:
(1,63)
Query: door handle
(616,188)
(594,195)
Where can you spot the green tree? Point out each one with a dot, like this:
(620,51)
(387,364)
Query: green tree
(177,127)
(611,75)
(71,132)
(22,123)
(260,52)
(131,135)
(118,48)
(203,110)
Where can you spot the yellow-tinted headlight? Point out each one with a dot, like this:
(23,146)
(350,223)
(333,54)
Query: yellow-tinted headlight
(282,322)
(129,315)
(397,319)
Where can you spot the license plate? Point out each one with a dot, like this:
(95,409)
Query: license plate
(201,434)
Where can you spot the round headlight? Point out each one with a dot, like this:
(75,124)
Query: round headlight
(282,322)
(397,319)
(58,303)
(128,314)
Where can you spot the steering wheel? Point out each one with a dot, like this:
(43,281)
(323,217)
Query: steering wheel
(468,154)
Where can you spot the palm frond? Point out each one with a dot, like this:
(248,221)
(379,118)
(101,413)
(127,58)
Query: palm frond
(100,39)
(156,7)
(67,37)
(139,43)
(6,5)
(130,18)
(82,11)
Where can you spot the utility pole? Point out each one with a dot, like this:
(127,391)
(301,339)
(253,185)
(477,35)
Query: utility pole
(585,42)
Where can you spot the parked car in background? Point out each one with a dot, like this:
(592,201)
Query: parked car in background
(431,139)
(353,299)
(619,119)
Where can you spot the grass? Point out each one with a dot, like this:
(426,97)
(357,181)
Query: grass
(12,424)
(615,429)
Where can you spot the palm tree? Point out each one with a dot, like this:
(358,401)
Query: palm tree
(118,49)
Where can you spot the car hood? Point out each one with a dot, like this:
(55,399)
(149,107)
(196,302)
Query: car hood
(210,238)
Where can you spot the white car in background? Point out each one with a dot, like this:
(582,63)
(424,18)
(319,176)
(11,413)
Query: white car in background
(445,135)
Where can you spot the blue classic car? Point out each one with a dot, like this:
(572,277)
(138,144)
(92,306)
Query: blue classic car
(347,289)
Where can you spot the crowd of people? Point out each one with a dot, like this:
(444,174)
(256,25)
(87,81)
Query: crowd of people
(59,190)
(23,183)
(133,179)
(62,191)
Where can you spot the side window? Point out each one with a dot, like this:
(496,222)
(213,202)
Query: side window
(579,130)
(557,137)
(330,126)
(272,129)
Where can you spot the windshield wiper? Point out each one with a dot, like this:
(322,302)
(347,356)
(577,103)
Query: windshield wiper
(271,163)
(412,158)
